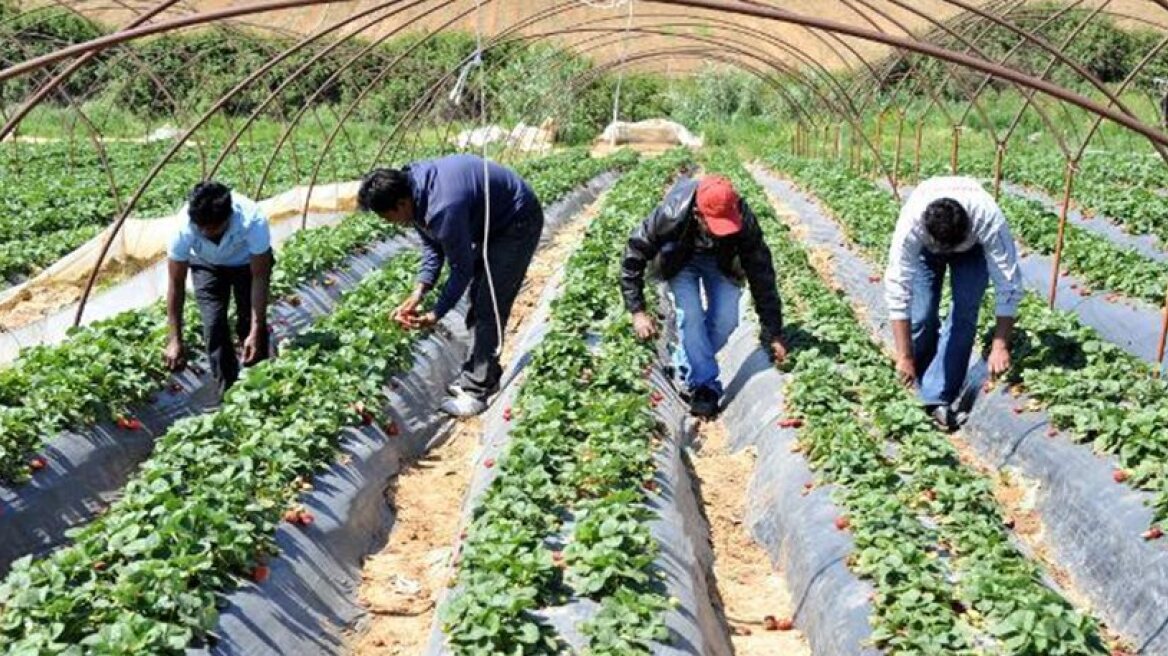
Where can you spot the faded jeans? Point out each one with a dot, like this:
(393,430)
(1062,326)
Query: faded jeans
(942,353)
(703,331)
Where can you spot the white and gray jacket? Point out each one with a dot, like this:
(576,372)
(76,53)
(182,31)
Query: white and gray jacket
(989,229)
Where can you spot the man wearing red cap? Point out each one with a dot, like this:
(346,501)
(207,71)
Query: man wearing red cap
(703,238)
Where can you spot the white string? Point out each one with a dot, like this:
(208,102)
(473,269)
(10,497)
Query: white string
(620,78)
(486,177)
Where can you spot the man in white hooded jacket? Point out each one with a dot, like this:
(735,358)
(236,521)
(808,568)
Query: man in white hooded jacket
(949,223)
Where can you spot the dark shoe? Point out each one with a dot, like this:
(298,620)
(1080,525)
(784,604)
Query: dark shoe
(943,416)
(704,403)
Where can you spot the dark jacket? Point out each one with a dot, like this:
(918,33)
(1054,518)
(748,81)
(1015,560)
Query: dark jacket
(669,238)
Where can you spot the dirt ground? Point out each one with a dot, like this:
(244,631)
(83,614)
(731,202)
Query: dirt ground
(401,584)
(748,588)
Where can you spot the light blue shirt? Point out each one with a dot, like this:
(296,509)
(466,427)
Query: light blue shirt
(247,235)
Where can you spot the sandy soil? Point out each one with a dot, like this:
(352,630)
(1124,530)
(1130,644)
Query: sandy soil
(402,582)
(748,588)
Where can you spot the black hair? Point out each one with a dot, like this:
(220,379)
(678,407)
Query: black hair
(947,222)
(383,189)
(210,204)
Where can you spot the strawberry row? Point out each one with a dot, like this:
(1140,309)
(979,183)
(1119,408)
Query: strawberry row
(106,368)
(928,533)
(580,446)
(144,577)
(1091,388)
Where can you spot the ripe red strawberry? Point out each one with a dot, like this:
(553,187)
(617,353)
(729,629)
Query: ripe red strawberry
(462,535)
(1074,285)
(1154,533)
(657,396)
(807,488)
(791,423)
(650,485)
(1052,432)
(785,624)
(1066,272)
(842,522)
(1120,475)
(874,278)
(260,573)
(367,418)
(489,462)
(507,413)
(1019,409)
(391,429)
(292,516)
(37,463)
(306,518)
(175,388)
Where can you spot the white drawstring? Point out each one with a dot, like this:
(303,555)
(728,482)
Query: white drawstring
(486,177)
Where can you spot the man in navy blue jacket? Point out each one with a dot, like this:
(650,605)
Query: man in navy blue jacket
(444,199)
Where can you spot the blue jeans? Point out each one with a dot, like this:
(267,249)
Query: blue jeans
(942,353)
(703,331)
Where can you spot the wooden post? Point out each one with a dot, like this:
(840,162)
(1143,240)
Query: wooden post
(879,144)
(896,157)
(835,153)
(1062,228)
(999,156)
(956,148)
(917,154)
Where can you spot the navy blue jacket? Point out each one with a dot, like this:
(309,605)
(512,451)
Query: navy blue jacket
(448,213)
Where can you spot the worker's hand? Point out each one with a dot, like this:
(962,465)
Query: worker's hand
(251,349)
(406,314)
(426,320)
(906,370)
(174,354)
(999,360)
(778,350)
(644,325)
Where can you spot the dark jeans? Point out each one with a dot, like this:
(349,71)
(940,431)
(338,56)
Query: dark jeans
(942,353)
(214,287)
(510,255)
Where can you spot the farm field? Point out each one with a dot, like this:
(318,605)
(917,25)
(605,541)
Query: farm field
(813,498)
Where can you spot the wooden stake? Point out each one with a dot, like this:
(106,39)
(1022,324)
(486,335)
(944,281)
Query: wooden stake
(1062,228)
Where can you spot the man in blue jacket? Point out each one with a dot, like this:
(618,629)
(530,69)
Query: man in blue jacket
(445,200)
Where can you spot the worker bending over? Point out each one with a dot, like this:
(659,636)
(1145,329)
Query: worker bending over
(225,243)
(703,239)
(949,223)
(445,200)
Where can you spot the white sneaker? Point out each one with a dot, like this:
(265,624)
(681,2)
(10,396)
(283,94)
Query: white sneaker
(463,405)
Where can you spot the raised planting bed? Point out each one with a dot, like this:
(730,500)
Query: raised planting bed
(1095,521)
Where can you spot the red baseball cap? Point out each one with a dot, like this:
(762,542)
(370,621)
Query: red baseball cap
(718,204)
